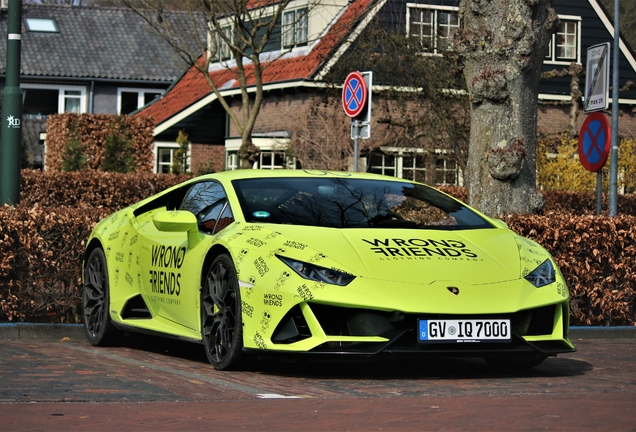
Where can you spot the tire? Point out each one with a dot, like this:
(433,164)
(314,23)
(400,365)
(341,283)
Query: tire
(221,320)
(515,363)
(98,326)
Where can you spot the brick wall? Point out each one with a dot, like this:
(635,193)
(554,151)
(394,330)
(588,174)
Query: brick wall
(200,154)
(297,110)
(554,119)
(276,113)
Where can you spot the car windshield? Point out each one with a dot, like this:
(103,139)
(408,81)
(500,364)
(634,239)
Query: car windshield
(352,203)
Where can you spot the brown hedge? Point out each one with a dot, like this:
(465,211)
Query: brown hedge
(40,250)
(93,129)
(597,256)
(91,189)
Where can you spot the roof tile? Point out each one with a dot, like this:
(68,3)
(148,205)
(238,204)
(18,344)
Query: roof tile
(95,43)
(192,86)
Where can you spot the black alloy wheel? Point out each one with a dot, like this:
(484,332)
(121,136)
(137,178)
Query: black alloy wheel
(221,321)
(96,300)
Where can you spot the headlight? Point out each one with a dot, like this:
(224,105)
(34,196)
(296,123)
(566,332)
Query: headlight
(542,275)
(317,273)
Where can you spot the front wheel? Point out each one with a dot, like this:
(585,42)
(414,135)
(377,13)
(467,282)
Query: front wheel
(221,321)
(98,326)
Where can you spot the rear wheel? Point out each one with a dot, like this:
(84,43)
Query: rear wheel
(96,300)
(515,363)
(221,321)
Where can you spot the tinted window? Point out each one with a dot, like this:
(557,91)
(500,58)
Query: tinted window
(352,203)
(207,200)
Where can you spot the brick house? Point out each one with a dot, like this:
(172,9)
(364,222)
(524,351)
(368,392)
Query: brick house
(296,81)
(85,60)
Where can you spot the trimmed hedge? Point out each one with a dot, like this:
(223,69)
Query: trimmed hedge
(40,250)
(597,256)
(43,238)
(91,189)
(93,131)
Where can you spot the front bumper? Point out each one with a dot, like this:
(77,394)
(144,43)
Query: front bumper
(319,329)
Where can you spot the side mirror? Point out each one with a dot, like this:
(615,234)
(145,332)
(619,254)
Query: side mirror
(174,221)
(178,221)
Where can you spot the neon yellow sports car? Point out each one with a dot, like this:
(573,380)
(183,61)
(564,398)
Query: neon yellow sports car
(256,262)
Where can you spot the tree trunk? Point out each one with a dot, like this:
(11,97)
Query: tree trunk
(503,43)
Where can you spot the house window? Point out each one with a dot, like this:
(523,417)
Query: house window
(430,28)
(380,163)
(564,45)
(446,171)
(164,159)
(416,164)
(72,101)
(44,25)
(223,51)
(232,162)
(272,160)
(295,25)
(43,100)
(414,168)
(129,100)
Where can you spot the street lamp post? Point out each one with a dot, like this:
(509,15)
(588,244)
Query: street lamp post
(10,147)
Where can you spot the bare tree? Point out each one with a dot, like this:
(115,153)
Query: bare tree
(235,34)
(503,43)
(320,137)
(423,103)
(574,71)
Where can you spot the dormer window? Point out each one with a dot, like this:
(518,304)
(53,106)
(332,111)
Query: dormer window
(43,25)
(564,44)
(431,28)
(295,25)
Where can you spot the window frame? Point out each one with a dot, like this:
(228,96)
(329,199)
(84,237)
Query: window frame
(62,96)
(140,96)
(293,28)
(172,146)
(441,155)
(399,153)
(30,24)
(436,51)
(551,57)
(384,166)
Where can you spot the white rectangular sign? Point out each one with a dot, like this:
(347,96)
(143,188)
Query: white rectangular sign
(597,78)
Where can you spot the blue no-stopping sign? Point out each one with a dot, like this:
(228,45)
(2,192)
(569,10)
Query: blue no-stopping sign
(354,94)
(594,142)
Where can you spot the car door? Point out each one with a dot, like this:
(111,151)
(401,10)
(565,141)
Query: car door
(172,269)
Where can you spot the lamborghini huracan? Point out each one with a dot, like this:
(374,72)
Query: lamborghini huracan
(315,263)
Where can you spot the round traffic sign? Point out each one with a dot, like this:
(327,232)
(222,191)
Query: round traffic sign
(354,94)
(594,141)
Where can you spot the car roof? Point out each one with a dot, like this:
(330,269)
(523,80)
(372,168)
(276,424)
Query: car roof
(283,173)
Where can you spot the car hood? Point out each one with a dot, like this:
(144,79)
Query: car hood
(475,256)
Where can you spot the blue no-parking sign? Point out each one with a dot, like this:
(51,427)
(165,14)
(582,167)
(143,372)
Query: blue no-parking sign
(354,94)
(594,142)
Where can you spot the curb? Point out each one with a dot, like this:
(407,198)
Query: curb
(76,332)
(41,331)
(582,333)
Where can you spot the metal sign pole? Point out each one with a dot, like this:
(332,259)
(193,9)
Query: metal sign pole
(599,191)
(12,111)
(356,136)
(613,192)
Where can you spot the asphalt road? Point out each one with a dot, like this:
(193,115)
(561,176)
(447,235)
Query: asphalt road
(152,384)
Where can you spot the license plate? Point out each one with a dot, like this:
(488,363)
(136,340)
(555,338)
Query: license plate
(472,330)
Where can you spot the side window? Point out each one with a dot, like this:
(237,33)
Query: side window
(207,201)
